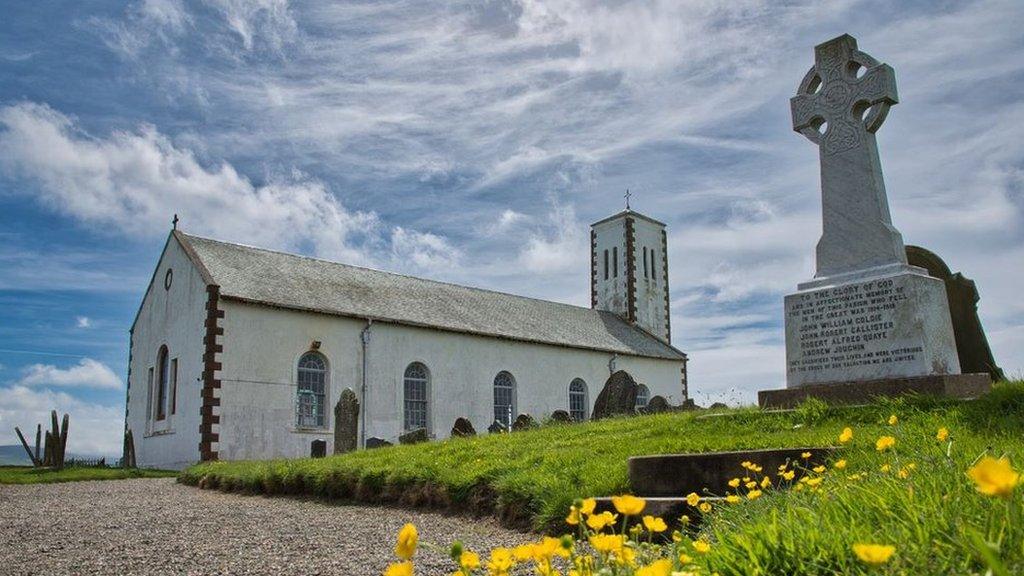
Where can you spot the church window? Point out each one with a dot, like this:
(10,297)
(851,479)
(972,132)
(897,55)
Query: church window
(643,396)
(504,398)
(645,261)
(174,385)
(163,370)
(416,381)
(615,261)
(578,403)
(311,391)
(653,266)
(605,264)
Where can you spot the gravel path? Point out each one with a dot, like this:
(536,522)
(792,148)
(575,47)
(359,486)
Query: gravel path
(160,527)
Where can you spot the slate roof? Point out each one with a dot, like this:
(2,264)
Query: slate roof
(295,282)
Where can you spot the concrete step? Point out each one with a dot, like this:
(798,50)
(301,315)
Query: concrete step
(673,476)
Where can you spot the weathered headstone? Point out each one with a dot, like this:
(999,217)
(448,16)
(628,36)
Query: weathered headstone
(867,314)
(657,404)
(617,397)
(414,436)
(523,422)
(496,428)
(463,428)
(374,442)
(346,422)
(561,417)
(971,344)
(318,448)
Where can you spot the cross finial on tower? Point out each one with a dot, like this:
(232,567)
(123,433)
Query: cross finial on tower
(174,222)
(627,195)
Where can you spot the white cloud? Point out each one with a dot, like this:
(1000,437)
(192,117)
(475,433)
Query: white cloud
(88,373)
(94,429)
(269,20)
(561,244)
(83,322)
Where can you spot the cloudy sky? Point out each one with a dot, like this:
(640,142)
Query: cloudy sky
(474,142)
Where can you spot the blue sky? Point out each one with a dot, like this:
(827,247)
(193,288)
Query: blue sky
(474,142)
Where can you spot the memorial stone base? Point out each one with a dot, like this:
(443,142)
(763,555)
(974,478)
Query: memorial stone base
(963,386)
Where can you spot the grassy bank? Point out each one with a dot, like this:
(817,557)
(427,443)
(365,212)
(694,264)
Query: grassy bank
(529,479)
(29,475)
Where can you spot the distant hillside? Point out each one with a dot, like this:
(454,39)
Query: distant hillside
(13,455)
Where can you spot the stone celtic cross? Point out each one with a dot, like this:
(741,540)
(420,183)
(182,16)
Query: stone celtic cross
(841,102)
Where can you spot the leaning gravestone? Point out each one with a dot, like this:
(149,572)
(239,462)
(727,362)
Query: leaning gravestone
(971,344)
(414,436)
(374,442)
(346,422)
(868,321)
(463,428)
(617,397)
(657,404)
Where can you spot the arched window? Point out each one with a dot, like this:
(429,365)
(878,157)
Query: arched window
(504,398)
(643,395)
(417,380)
(578,404)
(163,378)
(312,391)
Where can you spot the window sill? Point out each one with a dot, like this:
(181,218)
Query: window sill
(159,433)
(313,431)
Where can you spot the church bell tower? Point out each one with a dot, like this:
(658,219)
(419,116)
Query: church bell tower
(629,270)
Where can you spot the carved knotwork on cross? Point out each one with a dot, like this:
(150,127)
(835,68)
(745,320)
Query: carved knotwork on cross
(834,107)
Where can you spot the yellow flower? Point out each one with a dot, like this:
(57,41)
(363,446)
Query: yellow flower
(469,560)
(884,443)
(732,499)
(676,536)
(885,468)
(734,483)
(942,434)
(654,524)
(818,469)
(746,464)
(692,499)
(588,506)
(805,455)
(840,464)
(753,495)
(399,569)
(661,567)
(874,554)
(701,546)
(846,435)
(994,477)
(543,551)
(705,507)
(903,473)
(755,468)
(606,543)
(782,467)
(574,516)
(814,481)
(750,485)
(788,475)
(685,559)
(407,538)
(766,482)
(599,521)
(629,505)
(501,562)
(893,420)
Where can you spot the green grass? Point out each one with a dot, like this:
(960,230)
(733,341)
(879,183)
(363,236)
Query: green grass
(530,478)
(29,475)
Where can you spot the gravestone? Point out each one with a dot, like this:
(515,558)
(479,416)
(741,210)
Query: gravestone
(561,417)
(496,428)
(971,344)
(463,428)
(346,422)
(318,449)
(867,315)
(374,442)
(414,436)
(523,422)
(617,397)
(657,404)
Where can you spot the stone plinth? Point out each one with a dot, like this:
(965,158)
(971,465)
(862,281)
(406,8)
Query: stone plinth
(953,385)
(676,475)
(866,327)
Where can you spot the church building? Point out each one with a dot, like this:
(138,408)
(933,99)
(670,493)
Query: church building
(242,353)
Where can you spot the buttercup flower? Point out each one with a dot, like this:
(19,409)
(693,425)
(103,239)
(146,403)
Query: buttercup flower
(994,477)
(893,420)
(599,521)
(588,505)
(874,554)
(884,443)
(942,434)
(692,499)
(766,482)
(574,516)
(607,543)
(399,569)
(903,473)
(839,464)
(469,560)
(628,505)
(661,567)
(654,524)
(846,435)
(818,469)
(705,507)
(407,539)
(750,485)
(732,499)
(814,481)
(788,475)
(701,546)
(753,495)
(885,468)
(501,562)
(805,455)
(734,483)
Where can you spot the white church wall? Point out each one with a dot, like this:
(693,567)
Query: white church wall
(610,235)
(650,288)
(262,346)
(174,318)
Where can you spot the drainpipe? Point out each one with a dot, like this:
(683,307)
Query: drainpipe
(364,336)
